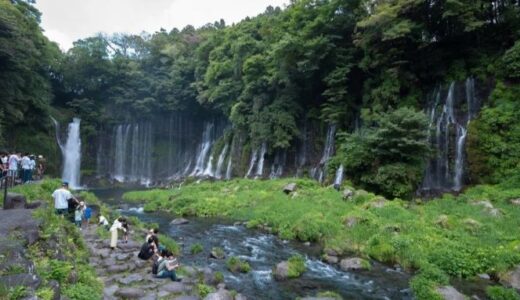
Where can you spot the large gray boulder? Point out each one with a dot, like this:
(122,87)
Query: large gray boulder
(512,278)
(130,293)
(281,271)
(179,221)
(354,264)
(290,188)
(15,201)
(28,280)
(450,293)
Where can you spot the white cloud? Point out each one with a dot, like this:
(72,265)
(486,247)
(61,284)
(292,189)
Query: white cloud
(65,21)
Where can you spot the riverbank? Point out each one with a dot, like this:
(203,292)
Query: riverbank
(474,234)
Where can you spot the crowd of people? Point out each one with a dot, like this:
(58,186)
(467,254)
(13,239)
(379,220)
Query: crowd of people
(163,261)
(16,168)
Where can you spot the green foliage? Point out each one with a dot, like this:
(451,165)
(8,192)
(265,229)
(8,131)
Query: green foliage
(45,293)
(81,291)
(196,248)
(330,295)
(17,292)
(219,277)
(236,265)
(203,290)
(296,266)
(389,156)
(501,293)
(511,61)
(494,137)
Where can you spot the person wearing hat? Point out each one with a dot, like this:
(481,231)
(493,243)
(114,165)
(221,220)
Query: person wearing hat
(61,197)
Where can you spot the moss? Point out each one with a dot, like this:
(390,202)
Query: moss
(296,266)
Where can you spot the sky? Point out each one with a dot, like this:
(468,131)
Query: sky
(65,21)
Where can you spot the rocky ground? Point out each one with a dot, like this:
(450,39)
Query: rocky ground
(127,277)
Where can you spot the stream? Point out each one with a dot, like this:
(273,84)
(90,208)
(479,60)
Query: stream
(263,251)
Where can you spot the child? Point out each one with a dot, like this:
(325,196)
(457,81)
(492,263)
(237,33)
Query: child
(78,216)
(87,213)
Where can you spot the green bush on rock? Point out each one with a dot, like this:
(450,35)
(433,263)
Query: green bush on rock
(296,264)
(236,265)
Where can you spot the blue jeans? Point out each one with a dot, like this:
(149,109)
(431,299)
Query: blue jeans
(167,274)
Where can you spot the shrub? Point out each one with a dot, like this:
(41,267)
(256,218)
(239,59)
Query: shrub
(501,293)
(81,291)
(511,61)
(203,290)
(234,264)
(296,266)
(196,248)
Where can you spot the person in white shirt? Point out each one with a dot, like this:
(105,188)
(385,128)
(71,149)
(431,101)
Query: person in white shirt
(32,166)
(13,161)
(118,224)
(103,222)
(61,197)
(26,167)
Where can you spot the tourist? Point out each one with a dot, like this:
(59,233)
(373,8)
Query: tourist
(32,167)
(148,249)
(151,232)
(167,266)
(87,214)
(61,199)
(3,167)
(118,224)
(26,167)
(13,161)
(103,222)
(125,232)
(41,166)
(78,216)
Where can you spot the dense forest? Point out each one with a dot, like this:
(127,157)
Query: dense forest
(365,66)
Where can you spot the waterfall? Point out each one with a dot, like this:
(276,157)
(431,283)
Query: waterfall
(301,157)
(220,162)
(338,179)
(261,160)
(57,133)
(252,162)
(229,169)
(449,120)
(278,164)
(319,171)
(204,149)
(71,152)
(209,167)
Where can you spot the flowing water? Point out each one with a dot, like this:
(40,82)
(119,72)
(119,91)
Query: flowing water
(338,179)
(319,172)
(71,152)
(263,251)
(220,162)
(261,161)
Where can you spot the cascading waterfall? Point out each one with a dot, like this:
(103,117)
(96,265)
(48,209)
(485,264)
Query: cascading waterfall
(319,171)
(261,161)
(301,157)
(200,166)
(220,162)
(252,162)
(338,179)
(278,164)
(71,152)
(449,121)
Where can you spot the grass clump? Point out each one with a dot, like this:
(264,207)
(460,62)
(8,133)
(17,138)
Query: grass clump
(203,290)
(296,266)
(501,293)
(329,294)
(236,265)
(196,248)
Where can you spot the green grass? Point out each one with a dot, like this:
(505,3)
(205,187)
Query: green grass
(296,266)
(236,265)
(447,236)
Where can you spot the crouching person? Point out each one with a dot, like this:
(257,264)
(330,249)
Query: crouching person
(148,249)
(167,266)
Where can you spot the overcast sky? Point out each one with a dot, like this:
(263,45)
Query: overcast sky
(65,21)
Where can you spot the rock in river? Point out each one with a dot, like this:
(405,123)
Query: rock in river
(179,221)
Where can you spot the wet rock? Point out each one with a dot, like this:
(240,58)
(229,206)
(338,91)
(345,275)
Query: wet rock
(219,295)
(308,244)
(512,278)
(27,280)
(209,276)
(56,290)
(123,256)
(281,271)
(132,278)
(353,264)
(515,201)
(139,263)
(240,297)
(450,293)
(110,291)
(22,222)
(179,221)
(330,259)
(34,205)
(15,201)
(347,194)
(103,253)
(217,253)
(173,287)
(290,188)
(117,268)
(130,293)
(484,276)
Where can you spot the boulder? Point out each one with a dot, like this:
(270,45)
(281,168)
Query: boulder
(123,256)
(217,253)
(511,278)
(240,297)
(173,287)
(34,205)
(109,291)
(15,201)
(354,264)
(27,280)
(515,201)
(117,268)
(130,279)
(330,259)
(450,293)
(281,271)
(219,295)
(179,221)
(130,293)
(348,194)
(290,188)
(56,291)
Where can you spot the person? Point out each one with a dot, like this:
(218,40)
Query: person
(25,162)
(61,197)
(125,232)
(148,249)
(78,216)
(87,214)
(32,166)
(3,168)
(167,266)
(41,166)
(151,232)
(103,222)
(157,258)
(118,224)
(13,161)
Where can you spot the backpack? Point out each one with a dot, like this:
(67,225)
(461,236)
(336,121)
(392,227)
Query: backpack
(155,266)
(88,213)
